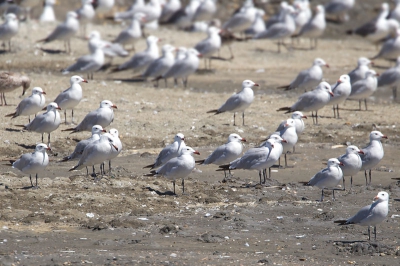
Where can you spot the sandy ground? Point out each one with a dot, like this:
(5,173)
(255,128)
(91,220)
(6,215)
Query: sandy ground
(128,218)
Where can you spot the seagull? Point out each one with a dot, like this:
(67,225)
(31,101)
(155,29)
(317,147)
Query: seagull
(280,30)
(351,162)
(241,20)
(142,60)
(210,45)
(298,120)
(77,153)
(370,215)
(64,31)
(315,27)
(391,78)
(178,167)
(312,100)
(183,68)
(110,49)
(309,77)
(10,81)
(390,49)
(302,15)
(359,72)
(89,63)
(96,152)
(205,11)
(71,97)
(341,90)
(161,65)
(170,9)
(103,6)
(254,159)
(46,122)
(136,7)
(339,8)
(373,153)
(239,101)
(364,88)
(395,13)
(33,163)
(134,31)
(328,178)
(9,29)
(114,135)
(30,105)
(275,154)
(169,152)
(102,116)
(226,153)
(288,133)
(48,12)
(85,14)
(258,24)
(379,28)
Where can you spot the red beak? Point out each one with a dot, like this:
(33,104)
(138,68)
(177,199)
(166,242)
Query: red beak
(196,152)
(341,163)
(385,137)
(85,81)
(114,106)
(58,108)
(48,148)
(304,117)
(43,92)
(243,139)
(327,65)
(361,152)
(104,130)
(284,140)
(257,85)
(331,94)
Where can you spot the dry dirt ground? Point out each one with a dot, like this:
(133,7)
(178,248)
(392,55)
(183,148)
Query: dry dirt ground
(131,219)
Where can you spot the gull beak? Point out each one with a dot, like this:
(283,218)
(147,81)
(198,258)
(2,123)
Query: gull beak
(182,138)
(256,84)
(284,140)
(44,109)
(43,92)
(384,137)
(327,65)
(48,148)
(377,75)
(104,130)
(341,164)
(331,94)
(114,106)
(115,147)
(199,55)
(304,116)
(376,198)
(272,145)
(372,63)
(58,108)
(243,139)
(85,80)
(286,125)
(361,152)
(196,152)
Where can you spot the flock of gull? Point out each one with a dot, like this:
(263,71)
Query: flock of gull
(247,23)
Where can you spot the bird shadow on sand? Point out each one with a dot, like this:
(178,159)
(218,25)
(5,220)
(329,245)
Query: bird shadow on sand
(29,147)
(350,241)
(52,51)
(159,193)
(13,129)
(131,80)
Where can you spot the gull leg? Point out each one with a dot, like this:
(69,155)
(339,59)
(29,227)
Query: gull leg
(369,234)
(166,84)
(65,116)
(4,96)
(183,186)
(333,195)
(243,117)
(87,171)
(234,119)
(337,111)
(316,117)
(259,174)
(269,170)
(359,104)
(370,176)
(375,232)
(366,178)
(264,174)
(173,182)
(109,166)
(351,183)
(72,114)
(37,183)
(322,195)
(48,140)
(365,103)
(334,112)
(42,137)
(30,178)
(294,148)
(285,161)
